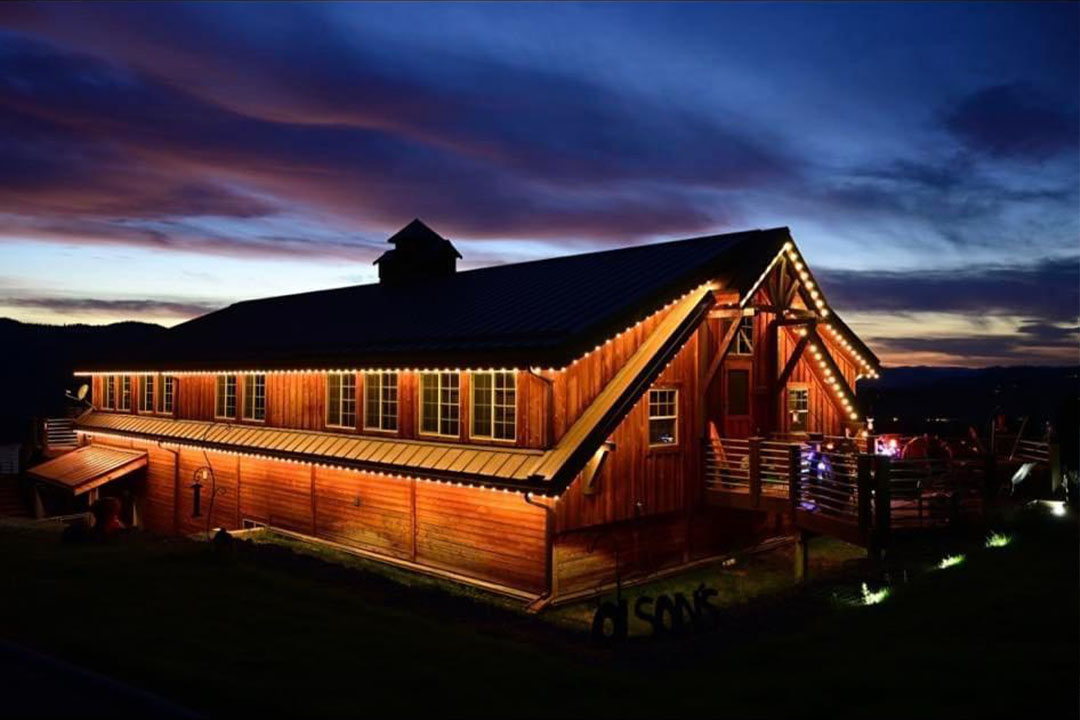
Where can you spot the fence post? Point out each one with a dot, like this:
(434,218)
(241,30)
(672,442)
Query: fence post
(871,444)
(755,471)
(865,487)
(882,502)
(794,468)
(1054,456)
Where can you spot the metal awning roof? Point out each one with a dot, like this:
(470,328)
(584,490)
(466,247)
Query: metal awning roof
(451,461)
(89,467)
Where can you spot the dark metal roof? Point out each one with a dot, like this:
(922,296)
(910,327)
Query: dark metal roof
(540,313)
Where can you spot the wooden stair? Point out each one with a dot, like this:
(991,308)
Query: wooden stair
(60,433)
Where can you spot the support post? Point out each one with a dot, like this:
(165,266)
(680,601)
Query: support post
(1056,480)
(802,556)
(865,489)
(794,468)
(755,471)
(882,503)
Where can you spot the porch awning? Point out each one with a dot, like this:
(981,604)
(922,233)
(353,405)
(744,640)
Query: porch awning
(89,467)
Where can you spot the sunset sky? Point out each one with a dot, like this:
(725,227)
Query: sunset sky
(159,161)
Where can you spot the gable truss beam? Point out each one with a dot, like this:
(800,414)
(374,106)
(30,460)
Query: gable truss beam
(796,354)
(725,345)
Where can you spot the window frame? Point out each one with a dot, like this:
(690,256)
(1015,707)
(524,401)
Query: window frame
(744,336)
(340,425)
(420,415)
(251,380)
(166,390)
(218,387)
(649,418)
(382,401)
(491,414)
(791,391)
(146,384)
(125,393)
(109,393)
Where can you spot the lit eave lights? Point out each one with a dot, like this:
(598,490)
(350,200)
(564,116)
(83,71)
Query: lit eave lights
(867,369)
(328,466)
(832,383)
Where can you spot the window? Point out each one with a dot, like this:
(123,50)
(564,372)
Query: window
(439,403)
(110,392)
(744,337)
(738,387)
(798,401)
(380,401)
(341,400)
(225,398)
(255,397)
(146,394)
(494,405)
(125,392)
(165,394)
(663,416)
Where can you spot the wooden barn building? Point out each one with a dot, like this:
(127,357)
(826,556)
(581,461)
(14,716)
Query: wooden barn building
(531,428)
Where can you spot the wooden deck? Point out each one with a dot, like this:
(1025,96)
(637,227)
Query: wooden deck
(830,487)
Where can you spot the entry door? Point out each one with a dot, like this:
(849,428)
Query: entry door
(737,417)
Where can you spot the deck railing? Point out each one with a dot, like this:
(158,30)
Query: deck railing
(830,485)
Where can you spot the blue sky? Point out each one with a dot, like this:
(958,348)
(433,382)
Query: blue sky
(161,160)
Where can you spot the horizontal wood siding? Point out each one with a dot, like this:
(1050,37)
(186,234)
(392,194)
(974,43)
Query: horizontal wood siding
(256,479)
(218,496)
(490,535)
(291,497)
(364,511)
(586,559)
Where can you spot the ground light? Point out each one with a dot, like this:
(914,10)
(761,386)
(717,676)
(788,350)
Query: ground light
(996,540)
(873,597)
(1056,507)
(950,561)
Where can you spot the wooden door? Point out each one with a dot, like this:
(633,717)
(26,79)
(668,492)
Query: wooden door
(738,420)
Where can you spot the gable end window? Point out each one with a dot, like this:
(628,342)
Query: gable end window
(744,337)
(165,393)
(146,394)
(125,392)
(663,417)
(494,405)
(225,397)
(440,410)
(341,400)
(798,408)
(255,397)
(381,401)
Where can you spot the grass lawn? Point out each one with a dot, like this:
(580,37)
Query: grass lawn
(270,630)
